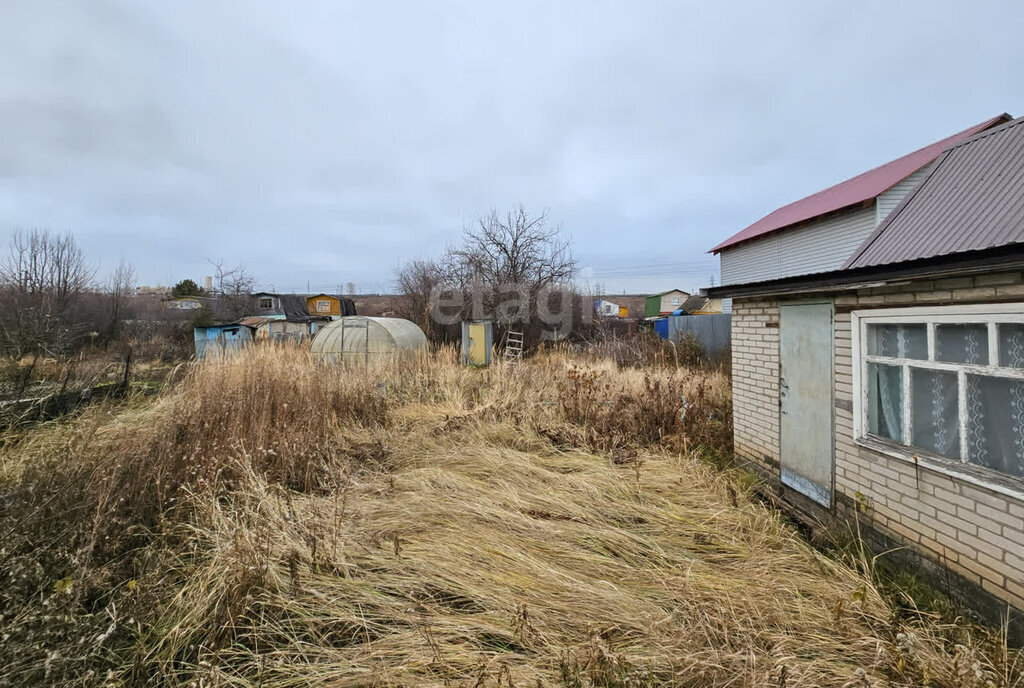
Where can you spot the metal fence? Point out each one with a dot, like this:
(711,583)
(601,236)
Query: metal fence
(714,332)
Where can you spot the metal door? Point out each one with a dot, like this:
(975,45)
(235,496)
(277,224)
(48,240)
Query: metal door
(477,344)
(805,399)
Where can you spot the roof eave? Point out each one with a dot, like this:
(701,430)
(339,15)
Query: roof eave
(1004,257)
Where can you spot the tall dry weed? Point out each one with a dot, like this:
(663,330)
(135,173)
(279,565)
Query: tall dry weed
(273,522)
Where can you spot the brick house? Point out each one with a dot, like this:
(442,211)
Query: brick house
(878,360)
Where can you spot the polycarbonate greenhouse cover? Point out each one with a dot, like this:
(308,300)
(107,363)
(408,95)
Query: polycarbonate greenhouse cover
(364,335)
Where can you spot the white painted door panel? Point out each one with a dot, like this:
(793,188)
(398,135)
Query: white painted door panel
(805,399)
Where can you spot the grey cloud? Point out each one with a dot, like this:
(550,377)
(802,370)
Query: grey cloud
(324,142)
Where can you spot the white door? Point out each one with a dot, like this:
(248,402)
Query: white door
(805,399)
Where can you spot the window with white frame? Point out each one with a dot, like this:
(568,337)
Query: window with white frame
(946,380)
(266,303)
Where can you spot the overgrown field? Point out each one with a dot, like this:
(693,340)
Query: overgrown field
(271,522)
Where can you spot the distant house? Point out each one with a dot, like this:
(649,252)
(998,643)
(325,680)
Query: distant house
(279,306)
(629,305)
(288,316)
(607,309)
(330,305)
(878,359)
(664,303)
(184,303)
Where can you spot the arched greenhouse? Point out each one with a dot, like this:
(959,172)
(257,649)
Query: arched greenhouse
(362,339)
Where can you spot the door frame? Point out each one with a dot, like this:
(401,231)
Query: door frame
(814,301)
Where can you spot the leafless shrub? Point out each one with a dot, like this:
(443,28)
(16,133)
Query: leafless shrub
(42,281)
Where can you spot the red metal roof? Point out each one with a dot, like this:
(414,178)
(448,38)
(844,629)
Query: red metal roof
(973,200)
(854,190)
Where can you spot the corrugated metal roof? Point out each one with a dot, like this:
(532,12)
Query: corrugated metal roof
(694,303)
(856,190)
(972,200)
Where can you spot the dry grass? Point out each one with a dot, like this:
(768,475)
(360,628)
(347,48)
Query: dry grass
(271,522)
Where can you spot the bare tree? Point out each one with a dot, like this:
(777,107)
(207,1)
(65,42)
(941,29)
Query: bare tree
(502,269)
(43,279)
(120,286)
(350,288)
(516,249)
(233,286)
(508,261)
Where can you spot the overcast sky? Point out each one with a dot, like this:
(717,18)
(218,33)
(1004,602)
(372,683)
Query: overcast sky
(326,142)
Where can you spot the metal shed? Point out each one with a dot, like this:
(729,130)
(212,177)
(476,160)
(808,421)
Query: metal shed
(361,339)
(221,339)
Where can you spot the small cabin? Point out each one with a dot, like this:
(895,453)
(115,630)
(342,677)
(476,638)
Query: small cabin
(329,305)
(878,361)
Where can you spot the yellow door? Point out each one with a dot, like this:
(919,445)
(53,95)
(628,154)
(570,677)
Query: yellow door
(477,344)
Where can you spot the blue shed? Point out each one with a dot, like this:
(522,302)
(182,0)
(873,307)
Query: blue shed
(661,327)
(221,338)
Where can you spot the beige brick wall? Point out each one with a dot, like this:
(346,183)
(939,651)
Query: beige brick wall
(755,383)
(975,531)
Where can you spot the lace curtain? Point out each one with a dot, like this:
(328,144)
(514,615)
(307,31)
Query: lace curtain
(885,384)
(995,405)
(995,410)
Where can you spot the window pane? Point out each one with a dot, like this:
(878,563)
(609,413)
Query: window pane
(995,423)
(935,410)
(962,343)
(898,341)
(885,401)
(1011,345)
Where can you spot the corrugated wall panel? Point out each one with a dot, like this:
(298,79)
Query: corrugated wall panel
(818,247)
(888,200)
(714,332)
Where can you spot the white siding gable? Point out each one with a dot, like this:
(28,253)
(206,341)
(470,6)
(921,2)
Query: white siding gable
(888,200)
(818,246)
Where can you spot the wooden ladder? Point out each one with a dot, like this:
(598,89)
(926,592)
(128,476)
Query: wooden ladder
(513,346)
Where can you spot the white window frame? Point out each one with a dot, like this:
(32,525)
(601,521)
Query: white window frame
(270,302)
(989,314)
